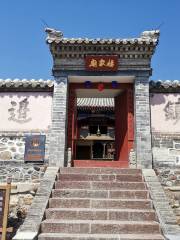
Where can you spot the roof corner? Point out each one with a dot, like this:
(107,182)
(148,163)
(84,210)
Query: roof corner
(53,35)
(152,35)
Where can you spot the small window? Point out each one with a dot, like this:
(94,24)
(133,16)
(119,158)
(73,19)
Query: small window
(176,144)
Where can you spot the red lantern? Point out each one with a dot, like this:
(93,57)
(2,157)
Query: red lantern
(100,87)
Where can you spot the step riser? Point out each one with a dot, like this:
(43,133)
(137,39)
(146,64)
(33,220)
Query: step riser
(99,228)
(100,194)
(100,185)
(100,215)
(129,194)
(99,238)
(126,229)
(99,204)
(102,177)
(101,170)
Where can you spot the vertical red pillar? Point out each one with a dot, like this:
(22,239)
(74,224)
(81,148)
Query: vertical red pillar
(71,119)
(121,127)
(124,124)
(130,106)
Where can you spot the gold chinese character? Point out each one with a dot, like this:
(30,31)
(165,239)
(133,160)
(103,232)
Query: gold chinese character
(110,63)
(93,63)
(102,62)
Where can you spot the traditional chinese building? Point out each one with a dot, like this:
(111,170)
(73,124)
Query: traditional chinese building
(100,113)
(100,109)
(103,68)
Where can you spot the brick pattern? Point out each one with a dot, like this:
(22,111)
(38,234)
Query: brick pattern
(57,143)
(142,122)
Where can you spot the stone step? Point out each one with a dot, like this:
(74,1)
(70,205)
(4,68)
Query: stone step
(97,170)
(99,226)
(106,185)
(81,193)
(100,203)
(63,236)
(100,214)
(100,177)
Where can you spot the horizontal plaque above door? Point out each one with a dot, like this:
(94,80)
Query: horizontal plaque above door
(101,63)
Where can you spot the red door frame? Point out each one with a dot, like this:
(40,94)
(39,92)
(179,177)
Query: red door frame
(124,113)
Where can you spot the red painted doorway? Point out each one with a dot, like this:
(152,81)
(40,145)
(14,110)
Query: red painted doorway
(124,127)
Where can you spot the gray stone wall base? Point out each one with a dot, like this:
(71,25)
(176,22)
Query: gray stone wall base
(170,228)
(165,153)
(30,228)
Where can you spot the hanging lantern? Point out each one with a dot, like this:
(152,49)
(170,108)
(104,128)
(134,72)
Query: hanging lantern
(114,84)
(88,84)
(100,87)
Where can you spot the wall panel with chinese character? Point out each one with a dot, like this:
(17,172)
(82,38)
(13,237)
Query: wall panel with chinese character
(29,111)
(165,126)
(165,112)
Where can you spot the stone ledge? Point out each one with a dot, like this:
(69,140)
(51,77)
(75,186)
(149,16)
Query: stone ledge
(165,214)
(172,237)
(26,235)
(31,225)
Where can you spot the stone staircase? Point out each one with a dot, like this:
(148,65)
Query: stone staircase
(100,204)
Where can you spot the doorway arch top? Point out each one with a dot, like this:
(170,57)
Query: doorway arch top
(105,79)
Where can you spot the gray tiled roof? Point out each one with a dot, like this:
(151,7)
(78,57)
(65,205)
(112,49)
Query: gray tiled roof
(147,37)
(15,83)
(41,83)
(165,84)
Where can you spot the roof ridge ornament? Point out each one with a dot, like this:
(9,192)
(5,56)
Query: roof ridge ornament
(153,34)
(53,35)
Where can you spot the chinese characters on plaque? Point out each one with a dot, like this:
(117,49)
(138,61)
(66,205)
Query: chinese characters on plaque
(101,63)
(34,148)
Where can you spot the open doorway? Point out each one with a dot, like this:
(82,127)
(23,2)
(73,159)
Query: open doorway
(101,125)
(95,126)
(98,150)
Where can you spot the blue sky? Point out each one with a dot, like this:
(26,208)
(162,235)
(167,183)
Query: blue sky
(24,53)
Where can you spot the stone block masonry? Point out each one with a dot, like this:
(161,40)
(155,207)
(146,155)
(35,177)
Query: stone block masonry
(170,180)
(31,225)
(26,178)
(142,122)
(57,143)
(21,172)
(12,148)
